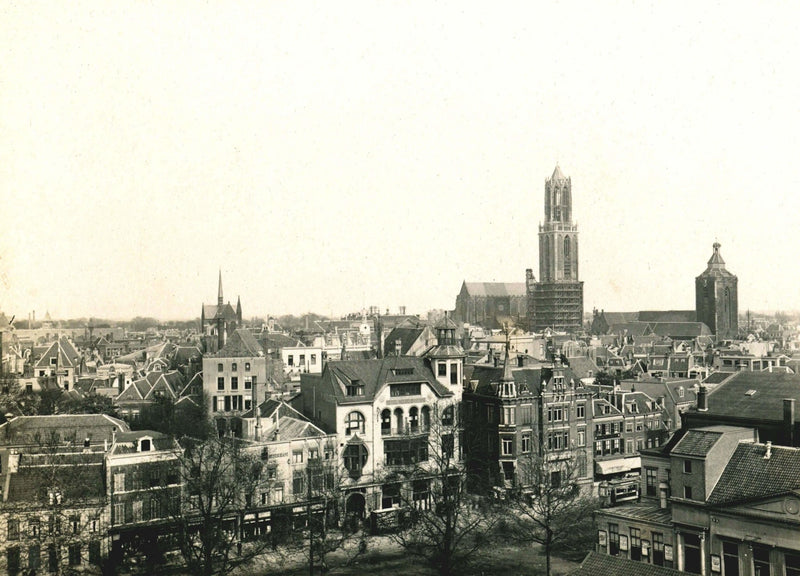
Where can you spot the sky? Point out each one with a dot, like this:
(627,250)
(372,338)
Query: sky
(328,156)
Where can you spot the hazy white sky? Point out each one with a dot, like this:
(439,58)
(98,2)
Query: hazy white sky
(334,155)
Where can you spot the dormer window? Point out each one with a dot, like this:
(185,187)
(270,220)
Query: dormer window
(355,388)
(680,391)
(144,445)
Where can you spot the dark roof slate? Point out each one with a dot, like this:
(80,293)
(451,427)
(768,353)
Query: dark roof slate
(697,443)
(731,398)
(598,564)
(749,475)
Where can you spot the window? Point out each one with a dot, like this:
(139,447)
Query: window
(761,566)
(628,426)
(413,419)
(406,451)
(525,414)
(155,508)
(94,552)
(355,458)
(390,495)
(354,388)
(526,443)
(448,416)
(119,514)
(219,367)
(234,367)
(34,528)
(297,457)
(490,414)
(421,491)
(651,481)
(34,557)
(298,482)
(658,549)
(13,559)
(354,423)
(730,560)
(687,466)
(119,482)
(687,492)
(138,509)
(74,554)
(302,359)
(508,447)
(247,366)
(636,544)
(581,409)
(386,422)
(453,373)
(411,389)
(248,383)
(75,523)
(509,415)
(290,360)
(13,529)
(441,369)
(613,539)
(234,382)
(221,383)
(555,414)
(278,491)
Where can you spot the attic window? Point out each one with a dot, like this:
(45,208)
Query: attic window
(355,388)
(680,391)
(144,445)
(750,392)
(403,371)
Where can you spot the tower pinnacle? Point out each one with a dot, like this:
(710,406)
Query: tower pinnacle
(219,295)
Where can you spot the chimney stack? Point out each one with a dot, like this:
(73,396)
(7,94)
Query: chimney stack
(788,420)
(768,455)
(702,400)
(398,347)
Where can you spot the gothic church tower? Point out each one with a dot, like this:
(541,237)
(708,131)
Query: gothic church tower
(558,296)
(717,297)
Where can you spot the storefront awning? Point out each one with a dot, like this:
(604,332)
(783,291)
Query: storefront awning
(618,465)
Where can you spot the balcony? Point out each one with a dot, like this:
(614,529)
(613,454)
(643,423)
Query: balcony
(405,430)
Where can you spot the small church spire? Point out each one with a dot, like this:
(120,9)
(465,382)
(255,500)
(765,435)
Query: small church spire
(219,294)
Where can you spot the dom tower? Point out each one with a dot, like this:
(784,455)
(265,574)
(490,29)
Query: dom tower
(717,297)
(557,299)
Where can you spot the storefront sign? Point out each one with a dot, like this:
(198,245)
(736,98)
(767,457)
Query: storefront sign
(668,552)
(716,564)
(601,538)
(623,542)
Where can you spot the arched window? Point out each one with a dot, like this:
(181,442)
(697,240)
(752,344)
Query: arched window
(354,423)
(398,420)
(448,415)
(413,419)
(426,418)
(567,258)
(386,422)
(546,259)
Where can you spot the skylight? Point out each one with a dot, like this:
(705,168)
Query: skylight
(750,392)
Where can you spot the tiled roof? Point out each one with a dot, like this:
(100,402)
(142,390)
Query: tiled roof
(68,356)
(757,395)
(583,367)
(81,479)
(634,329)
(495,288)
(241,343)
(407,337)
(641,511)
(597,564)
(127,442)
(697,443)
(374,374)
(717,377)
(749,475)
(24,428)
(667,316)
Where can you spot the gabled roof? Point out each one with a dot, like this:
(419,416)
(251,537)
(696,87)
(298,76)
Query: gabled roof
(128,442)
(82,478)
(68,356)
(407,337)
(495,288)
(583,367)
(749,475)
(24,429)
(668,316)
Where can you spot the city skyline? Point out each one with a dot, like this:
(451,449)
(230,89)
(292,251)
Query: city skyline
(328,160)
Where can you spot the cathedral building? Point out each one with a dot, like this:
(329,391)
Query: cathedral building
(218,322)
(717,298)
(556,300)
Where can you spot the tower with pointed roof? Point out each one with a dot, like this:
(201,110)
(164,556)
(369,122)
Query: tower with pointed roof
(717,297)
(557,299)
(218,322)
(447,357)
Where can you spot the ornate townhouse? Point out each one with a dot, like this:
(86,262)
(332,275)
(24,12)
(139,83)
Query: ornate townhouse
(388,415)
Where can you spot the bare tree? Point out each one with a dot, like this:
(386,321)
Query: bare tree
(219,476)
(549,506)
(443,524)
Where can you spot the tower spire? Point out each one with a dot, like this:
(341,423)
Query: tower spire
(219,294)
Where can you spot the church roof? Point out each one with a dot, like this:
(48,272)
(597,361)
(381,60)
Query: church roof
(495,288)
(557,174)
(716,265)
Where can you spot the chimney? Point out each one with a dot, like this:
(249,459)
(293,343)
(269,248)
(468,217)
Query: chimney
(702,401)
(788,421)
(768,455)
(398,347)
(520,361)
(256,410)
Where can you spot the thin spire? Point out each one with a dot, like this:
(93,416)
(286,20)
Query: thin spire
(219,294)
